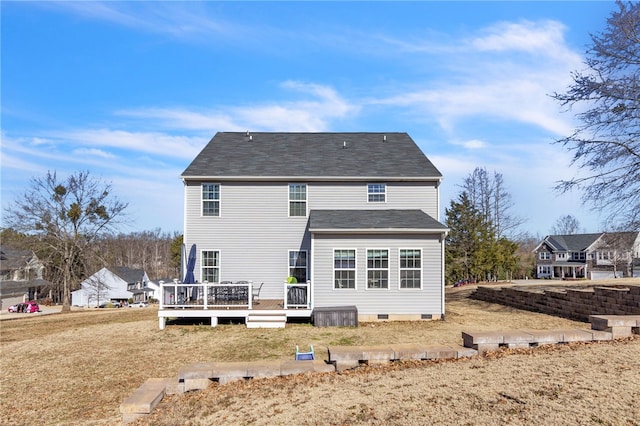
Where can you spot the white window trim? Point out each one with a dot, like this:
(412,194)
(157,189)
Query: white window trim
(384,185)
(544,255)
(306,266)
(355,270)
(219,200)
(306,199)
(203,267)
(400,269)
(544,269)
(367,269)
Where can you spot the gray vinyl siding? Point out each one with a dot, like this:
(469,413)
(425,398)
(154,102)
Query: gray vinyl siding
(254,232)
(353,195)
(393,300)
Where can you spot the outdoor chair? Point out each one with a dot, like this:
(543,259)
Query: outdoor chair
(255,293)
(305,356)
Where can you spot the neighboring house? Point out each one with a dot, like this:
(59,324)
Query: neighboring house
(592,256)
(355,216)
(144,291)
(111,285)
(20,276)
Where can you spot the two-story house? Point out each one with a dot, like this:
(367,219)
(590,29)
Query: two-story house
(592,256)
(337,219)
(20,276)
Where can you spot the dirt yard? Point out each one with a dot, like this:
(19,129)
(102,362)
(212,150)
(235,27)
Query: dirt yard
(77,368)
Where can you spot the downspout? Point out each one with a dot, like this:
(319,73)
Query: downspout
(312,286)
(442,274)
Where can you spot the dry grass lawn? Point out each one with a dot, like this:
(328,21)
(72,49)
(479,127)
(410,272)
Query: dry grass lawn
(77,368)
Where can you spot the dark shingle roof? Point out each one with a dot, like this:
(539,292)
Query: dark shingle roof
(17,288)
(11,259)
(414,220)
(129,275)
(575,242)
(309,155)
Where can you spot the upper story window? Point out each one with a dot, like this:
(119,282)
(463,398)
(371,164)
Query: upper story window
(561,256)
(297,199)
(577,255)
(544,255)
(344,268)
(210,199)
(376,192)
(377,268)
(410,268)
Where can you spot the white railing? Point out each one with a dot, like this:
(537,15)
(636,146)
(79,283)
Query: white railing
(298,295)
(206,295)
(227,295)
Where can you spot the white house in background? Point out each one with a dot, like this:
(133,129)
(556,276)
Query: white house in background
(354,217)
(106,285)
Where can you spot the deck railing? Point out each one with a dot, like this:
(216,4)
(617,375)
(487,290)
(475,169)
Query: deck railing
(206,295)
(227,295)
(298,295)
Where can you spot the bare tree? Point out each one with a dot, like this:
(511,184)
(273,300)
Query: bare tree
(68,216)
(489,195)
(97,289)
(566,225)
(607,143)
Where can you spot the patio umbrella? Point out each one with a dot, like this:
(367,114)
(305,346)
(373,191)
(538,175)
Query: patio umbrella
(188,276)
(191,264)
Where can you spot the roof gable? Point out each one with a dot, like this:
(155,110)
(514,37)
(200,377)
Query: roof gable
(311,155)
(573,242)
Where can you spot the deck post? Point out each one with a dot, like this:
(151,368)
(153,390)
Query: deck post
(214,321)
(205,296)
(161,322)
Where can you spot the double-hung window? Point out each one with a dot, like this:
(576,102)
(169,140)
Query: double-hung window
(210,266)
(298,265)
(378,268)
(297,199)
(544,255)
(210,199)
(376,192)
(410,268)
(344,269)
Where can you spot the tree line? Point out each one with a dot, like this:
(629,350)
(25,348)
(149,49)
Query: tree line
(480,245)
(157,253)
(72,225)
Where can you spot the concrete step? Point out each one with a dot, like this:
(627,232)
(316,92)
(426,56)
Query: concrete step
(143,400)
(266,320)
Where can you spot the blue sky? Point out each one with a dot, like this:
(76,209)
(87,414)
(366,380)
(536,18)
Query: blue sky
(132,91)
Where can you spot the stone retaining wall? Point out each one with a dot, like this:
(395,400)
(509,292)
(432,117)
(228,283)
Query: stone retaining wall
(572,303)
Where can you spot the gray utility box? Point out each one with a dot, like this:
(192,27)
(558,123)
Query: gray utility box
(336,316)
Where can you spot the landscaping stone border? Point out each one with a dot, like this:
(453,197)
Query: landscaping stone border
(572,303)
(199,375)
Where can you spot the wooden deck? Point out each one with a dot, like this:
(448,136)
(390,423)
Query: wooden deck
(265,307)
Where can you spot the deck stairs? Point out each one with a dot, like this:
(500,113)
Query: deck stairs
(266,320)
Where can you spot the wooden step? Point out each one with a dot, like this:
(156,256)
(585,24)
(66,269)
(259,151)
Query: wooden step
(266,320)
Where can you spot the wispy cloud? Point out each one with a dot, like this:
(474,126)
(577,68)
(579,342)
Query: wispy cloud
(92,152)
(539,38)
(314,110)
(482,81)
(181,20)
(145,142)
